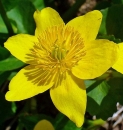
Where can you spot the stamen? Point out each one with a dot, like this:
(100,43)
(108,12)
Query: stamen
(58,50)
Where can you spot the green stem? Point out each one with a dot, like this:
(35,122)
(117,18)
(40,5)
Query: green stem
(70,13)
(5,19)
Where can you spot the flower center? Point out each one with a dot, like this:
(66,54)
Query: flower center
(58,53)
(58,50)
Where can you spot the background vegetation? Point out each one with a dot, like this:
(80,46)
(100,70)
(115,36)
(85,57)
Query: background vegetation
(103,92)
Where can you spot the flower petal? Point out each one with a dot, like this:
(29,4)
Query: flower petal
(70,98)
(88,24)
(44,125)
(46,18)
(26,83)
(100,56)
(20,45)
(119,63)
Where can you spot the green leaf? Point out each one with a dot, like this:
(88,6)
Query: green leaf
(20,127)
(88,83)
(99,92)
(93,84)
(5,109)
(103,29)
(4,53)
(117,1)
(22,16)
(102,5)
(63,123)
(92,107)
(9,4)
(93,124)
(112,23)
(3,28)
(10,63)
(70,126)
(39,4)
(3,37)
(108,104)
(12,75)
(60,121)
(3,77)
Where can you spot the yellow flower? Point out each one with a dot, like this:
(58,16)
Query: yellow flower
(43,125)
(59,57)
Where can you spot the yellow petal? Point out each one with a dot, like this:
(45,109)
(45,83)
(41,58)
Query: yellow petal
(70,98)
(88,24)
(100,56)
(20,45)
(46,18)
(27,83)
(119,63)
(44,125)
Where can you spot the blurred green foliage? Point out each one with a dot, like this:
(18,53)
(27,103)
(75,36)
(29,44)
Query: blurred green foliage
(24,115)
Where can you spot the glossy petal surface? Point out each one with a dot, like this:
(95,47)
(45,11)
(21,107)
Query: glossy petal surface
(20,45)
(26,84)
(100,56)
(119,63)
(70,98)
(46,18)
(88,25)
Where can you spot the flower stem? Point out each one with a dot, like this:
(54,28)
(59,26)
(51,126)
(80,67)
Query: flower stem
(5,19)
